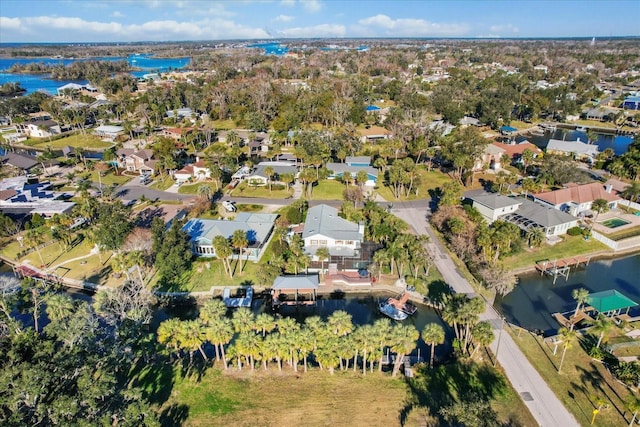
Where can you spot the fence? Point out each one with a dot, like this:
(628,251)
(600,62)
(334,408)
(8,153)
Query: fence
(600,238)
(630,204)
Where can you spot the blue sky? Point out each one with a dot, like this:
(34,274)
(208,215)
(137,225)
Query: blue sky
(170,20)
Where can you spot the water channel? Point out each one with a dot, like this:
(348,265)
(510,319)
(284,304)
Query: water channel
(619,143)
(535,298)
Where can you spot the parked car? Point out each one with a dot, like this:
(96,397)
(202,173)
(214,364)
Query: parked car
(229,206)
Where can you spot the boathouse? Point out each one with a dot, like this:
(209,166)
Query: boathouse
(303,289)
(611,303)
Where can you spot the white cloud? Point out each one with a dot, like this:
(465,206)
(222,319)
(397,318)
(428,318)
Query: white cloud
(407,27)
(501,29)
(322,30)
(288,3)
(60,29)
(311,5)
(283,18)
(117,14)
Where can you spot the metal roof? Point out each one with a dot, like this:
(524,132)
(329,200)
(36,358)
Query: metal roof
(610,300)
(324,220)
(296,282)
(256,226)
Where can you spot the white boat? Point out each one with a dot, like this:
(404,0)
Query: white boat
(581,129)
(389,310)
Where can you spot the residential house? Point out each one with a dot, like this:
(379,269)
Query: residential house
(491,157)
(631,103)
(493,205)
(24,162)
(469,121)
(353,165)
(514,151)
(324,228)
(576,199)
(136,161)
(576,148)
(108,132)
(258,147)
(257,226)
(191,172)
(601,114)
(176,133)
(259,177)
(39,128)
(19,196)
(181,113)
(373,133)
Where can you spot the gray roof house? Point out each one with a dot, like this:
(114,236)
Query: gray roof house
(257,226)
(24,162)
(324,228)
(338,169)
(279,168)
(531,214)
(310,281)
(493,205)
(579,148)
(358,160)
(18,197)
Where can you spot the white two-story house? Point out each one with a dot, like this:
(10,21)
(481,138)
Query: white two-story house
(324,228)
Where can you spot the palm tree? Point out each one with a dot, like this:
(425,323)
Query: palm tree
(603,325)
(633,404)
(240,242)
(243,320)
(340,323)
(223,252)
(632,191)
(600,206)
(482,333)
(535,236)
(363,339)
(327,354)
(306,343)
(268,171)
(568,336)
(580,295)
(204,191)
(212,310)
(192,335)
(59,306)
(264,323)
(323,254)
(433,334)
(219,333)
(404,339)
(169,334)
(33,239)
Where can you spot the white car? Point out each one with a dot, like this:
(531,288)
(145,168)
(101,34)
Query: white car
(229,206)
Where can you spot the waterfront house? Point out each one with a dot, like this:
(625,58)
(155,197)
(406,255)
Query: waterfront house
(339,169)
(39,128)
(324,228)
(108,132)
(19,196)
(514,151)
(576,199)
(576,148)
(493,205)
(23,162)
(257,226)
(530,214)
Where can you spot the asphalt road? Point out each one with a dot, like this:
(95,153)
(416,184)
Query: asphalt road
(543,404)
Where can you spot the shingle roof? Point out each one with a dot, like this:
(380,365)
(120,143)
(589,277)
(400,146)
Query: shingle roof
(257,227)
(358,159)
(577,147)
(277,169)
(340,168)
(21,161)
(517,149)
(494,200)
(578,194)
(543,215)
(324,220)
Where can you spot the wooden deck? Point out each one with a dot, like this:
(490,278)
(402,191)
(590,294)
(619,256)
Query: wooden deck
(565,321)
(561,267)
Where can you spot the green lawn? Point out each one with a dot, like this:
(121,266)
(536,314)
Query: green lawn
(328,189)
(110,178)
(207,273)
(193,188)
(243,190)
(223,124)
(162,182)
(84,141)
(580,383)
(429,180)
(249,207)
(570,246)
(623,234)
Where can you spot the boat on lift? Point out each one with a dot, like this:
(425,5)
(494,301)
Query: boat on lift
(391,311)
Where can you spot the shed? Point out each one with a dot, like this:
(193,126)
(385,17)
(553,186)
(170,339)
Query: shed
(610,301)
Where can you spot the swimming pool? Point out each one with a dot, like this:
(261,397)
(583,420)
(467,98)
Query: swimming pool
(615,222)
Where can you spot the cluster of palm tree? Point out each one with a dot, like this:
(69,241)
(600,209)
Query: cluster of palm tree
(247,340)
(463,314)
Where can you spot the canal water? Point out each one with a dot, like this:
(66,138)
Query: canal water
(535,298)
(619,143)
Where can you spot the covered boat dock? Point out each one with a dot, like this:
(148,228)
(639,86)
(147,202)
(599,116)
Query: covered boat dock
(611,303)
(303,287)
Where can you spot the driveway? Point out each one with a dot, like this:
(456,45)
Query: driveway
(543,404)
(133,190)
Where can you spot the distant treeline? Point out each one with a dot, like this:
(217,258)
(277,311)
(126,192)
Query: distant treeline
(81,70)
(11,89)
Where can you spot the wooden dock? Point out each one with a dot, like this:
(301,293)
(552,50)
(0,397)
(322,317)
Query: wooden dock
(561,267)
(567,319)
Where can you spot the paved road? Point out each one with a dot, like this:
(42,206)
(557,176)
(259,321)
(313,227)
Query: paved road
(543,404)
(133,190)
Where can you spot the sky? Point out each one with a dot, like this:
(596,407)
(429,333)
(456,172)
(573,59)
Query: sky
(176,20)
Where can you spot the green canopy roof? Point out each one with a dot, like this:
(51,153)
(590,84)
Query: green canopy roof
(609,301)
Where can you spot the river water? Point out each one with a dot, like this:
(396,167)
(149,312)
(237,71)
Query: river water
(535,298)
(619,143)
(34,82)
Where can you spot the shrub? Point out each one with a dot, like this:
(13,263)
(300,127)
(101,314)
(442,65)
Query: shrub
(574,231)
(596,353)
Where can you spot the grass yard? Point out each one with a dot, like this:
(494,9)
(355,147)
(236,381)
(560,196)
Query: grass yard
(243,190)
(570,246)
(328,189)
(582,381)
(429,180)
(223,124)
(162,182)
(202,278)
(623,234)
(193,188)
(90,142)
(110,178)
(249,207)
